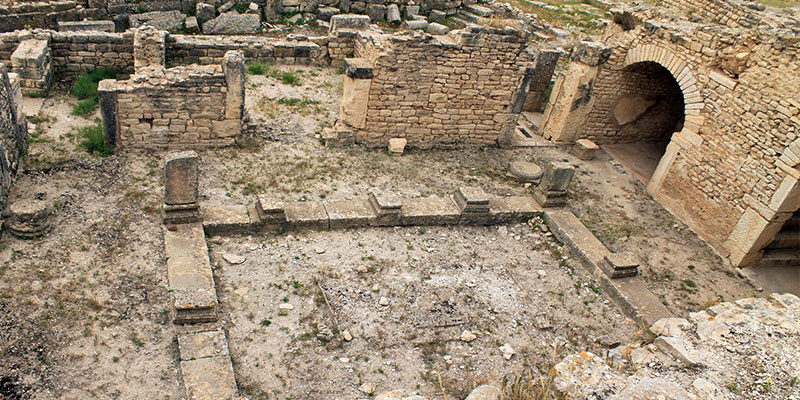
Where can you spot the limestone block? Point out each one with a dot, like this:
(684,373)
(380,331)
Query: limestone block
(397,145)
(206,365)
(233,23)
(350,213)
(307,215)
(591,53)
(429,211)
(557,176)
(513,209)
(415,25)
(355,98)
(180,178)
(160,20)
(393,14)
(84,26)
(620,265)
(386,206)
(205,12)
(233,66)
(189,272)
(230,219)
(376,12)
(753,232)
(271,211)
(437,29)
(584,149)
(326,13)
(358,68)
(349,22)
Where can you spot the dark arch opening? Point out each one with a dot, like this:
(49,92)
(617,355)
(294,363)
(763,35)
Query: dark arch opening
(647,111)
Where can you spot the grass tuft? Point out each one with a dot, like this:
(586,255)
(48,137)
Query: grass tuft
(93,139)
(85,89)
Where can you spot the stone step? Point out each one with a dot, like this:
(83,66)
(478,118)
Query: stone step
(781,256)
(534,119)
(787,238)
(479,10)
(470,17)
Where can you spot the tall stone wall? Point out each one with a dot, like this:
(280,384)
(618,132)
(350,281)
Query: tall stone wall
(182,107)
(13,133)
(440,91)
(741,115)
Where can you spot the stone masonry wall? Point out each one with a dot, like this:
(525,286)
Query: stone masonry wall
(188,49)
(437,92)
(182,107)
(13,133)
(728,173)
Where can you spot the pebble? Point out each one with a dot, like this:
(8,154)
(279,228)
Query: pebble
(348,337)
(468,336)
(383,301)
(508,351)
(344,360)
(368,388)
(542,273)
(319,250)
(233,258)
(286,306)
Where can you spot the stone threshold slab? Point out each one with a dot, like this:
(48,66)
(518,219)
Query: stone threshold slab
(206,365)
(361,212)
(629,293)
(191,281)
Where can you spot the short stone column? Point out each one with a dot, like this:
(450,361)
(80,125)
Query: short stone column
(107,96)
(552,190)
(149,47)
(233,66)
(32,61)
(180,188)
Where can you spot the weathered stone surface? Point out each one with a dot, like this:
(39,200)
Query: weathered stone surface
(192,26)
(397,145)
(513,208)
(677,348)
(429,211)
(620,265)
(525,171)
(306,215)
(349,22)
(349,213)
(206,366)
(437,29)
(393,14)
(84,26)
(28,218)
(387,207)
(189,272)
(326,13)
(653,388)
(233,23)
(161,20)
(205,12)
(415,25)
(591,53)
(584,149)
(180,178)
(398,395)
(376,12)
(484,392)
(552,189)
(358,68)
(230,219)
(669,326)
(581,374)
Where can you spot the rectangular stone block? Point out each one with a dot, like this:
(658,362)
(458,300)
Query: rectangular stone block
(350,213)
(307,215)
(206,365)
(271,211)
(429,211)
(180,178)
(472,200)
(386,206)
(230,219)
(620,265)
(191,282)
(513,209)
(84,26)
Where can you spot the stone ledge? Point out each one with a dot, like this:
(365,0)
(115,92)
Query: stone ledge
(629,293)
(191,281)
(206,365)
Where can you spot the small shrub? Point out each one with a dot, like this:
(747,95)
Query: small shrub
(290,78)
(93,139)
(241,8)
(258,68)
(85,89)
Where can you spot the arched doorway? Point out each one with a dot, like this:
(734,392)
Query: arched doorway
(650,107)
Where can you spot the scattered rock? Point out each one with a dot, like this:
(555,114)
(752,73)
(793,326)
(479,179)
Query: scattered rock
(508,351)
(233,258)
(677,348)
(397,146)
(653,388)
(468,336)
(161,20)
(347,336)
(344,360)
(484,392)
(367,388)
(28,218)
(319,250)
(398,395)
(669,326)
(383,301)
(437,29)
(286,307)
(233,23)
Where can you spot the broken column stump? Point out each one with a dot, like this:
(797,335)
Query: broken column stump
(474,205)
(180,188)
(28,219)
(620,265)
(552,190)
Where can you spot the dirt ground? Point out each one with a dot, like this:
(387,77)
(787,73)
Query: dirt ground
(508,285)
(83,310)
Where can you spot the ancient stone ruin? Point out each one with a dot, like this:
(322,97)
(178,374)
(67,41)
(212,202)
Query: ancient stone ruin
(411,199)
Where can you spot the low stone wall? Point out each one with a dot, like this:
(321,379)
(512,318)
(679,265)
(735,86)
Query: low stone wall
(13,132)
(437,90)
(189,49)
(187,107)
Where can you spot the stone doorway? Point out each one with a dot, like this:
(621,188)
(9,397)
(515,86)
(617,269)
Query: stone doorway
(645,116)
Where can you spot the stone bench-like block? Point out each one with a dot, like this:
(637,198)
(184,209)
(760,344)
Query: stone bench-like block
(350,213)
(429,211)
(189,272)
(472,200)
(620,265)
(552,190)
(307,215)
(349,22)
(230,219)
(503,210)
(206,365)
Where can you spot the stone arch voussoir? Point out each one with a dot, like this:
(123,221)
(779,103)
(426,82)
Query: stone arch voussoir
(678,67)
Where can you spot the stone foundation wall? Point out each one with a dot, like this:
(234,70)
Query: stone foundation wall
(183,107)
(188,49)
(731,13)
(436,91)
(13,132)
